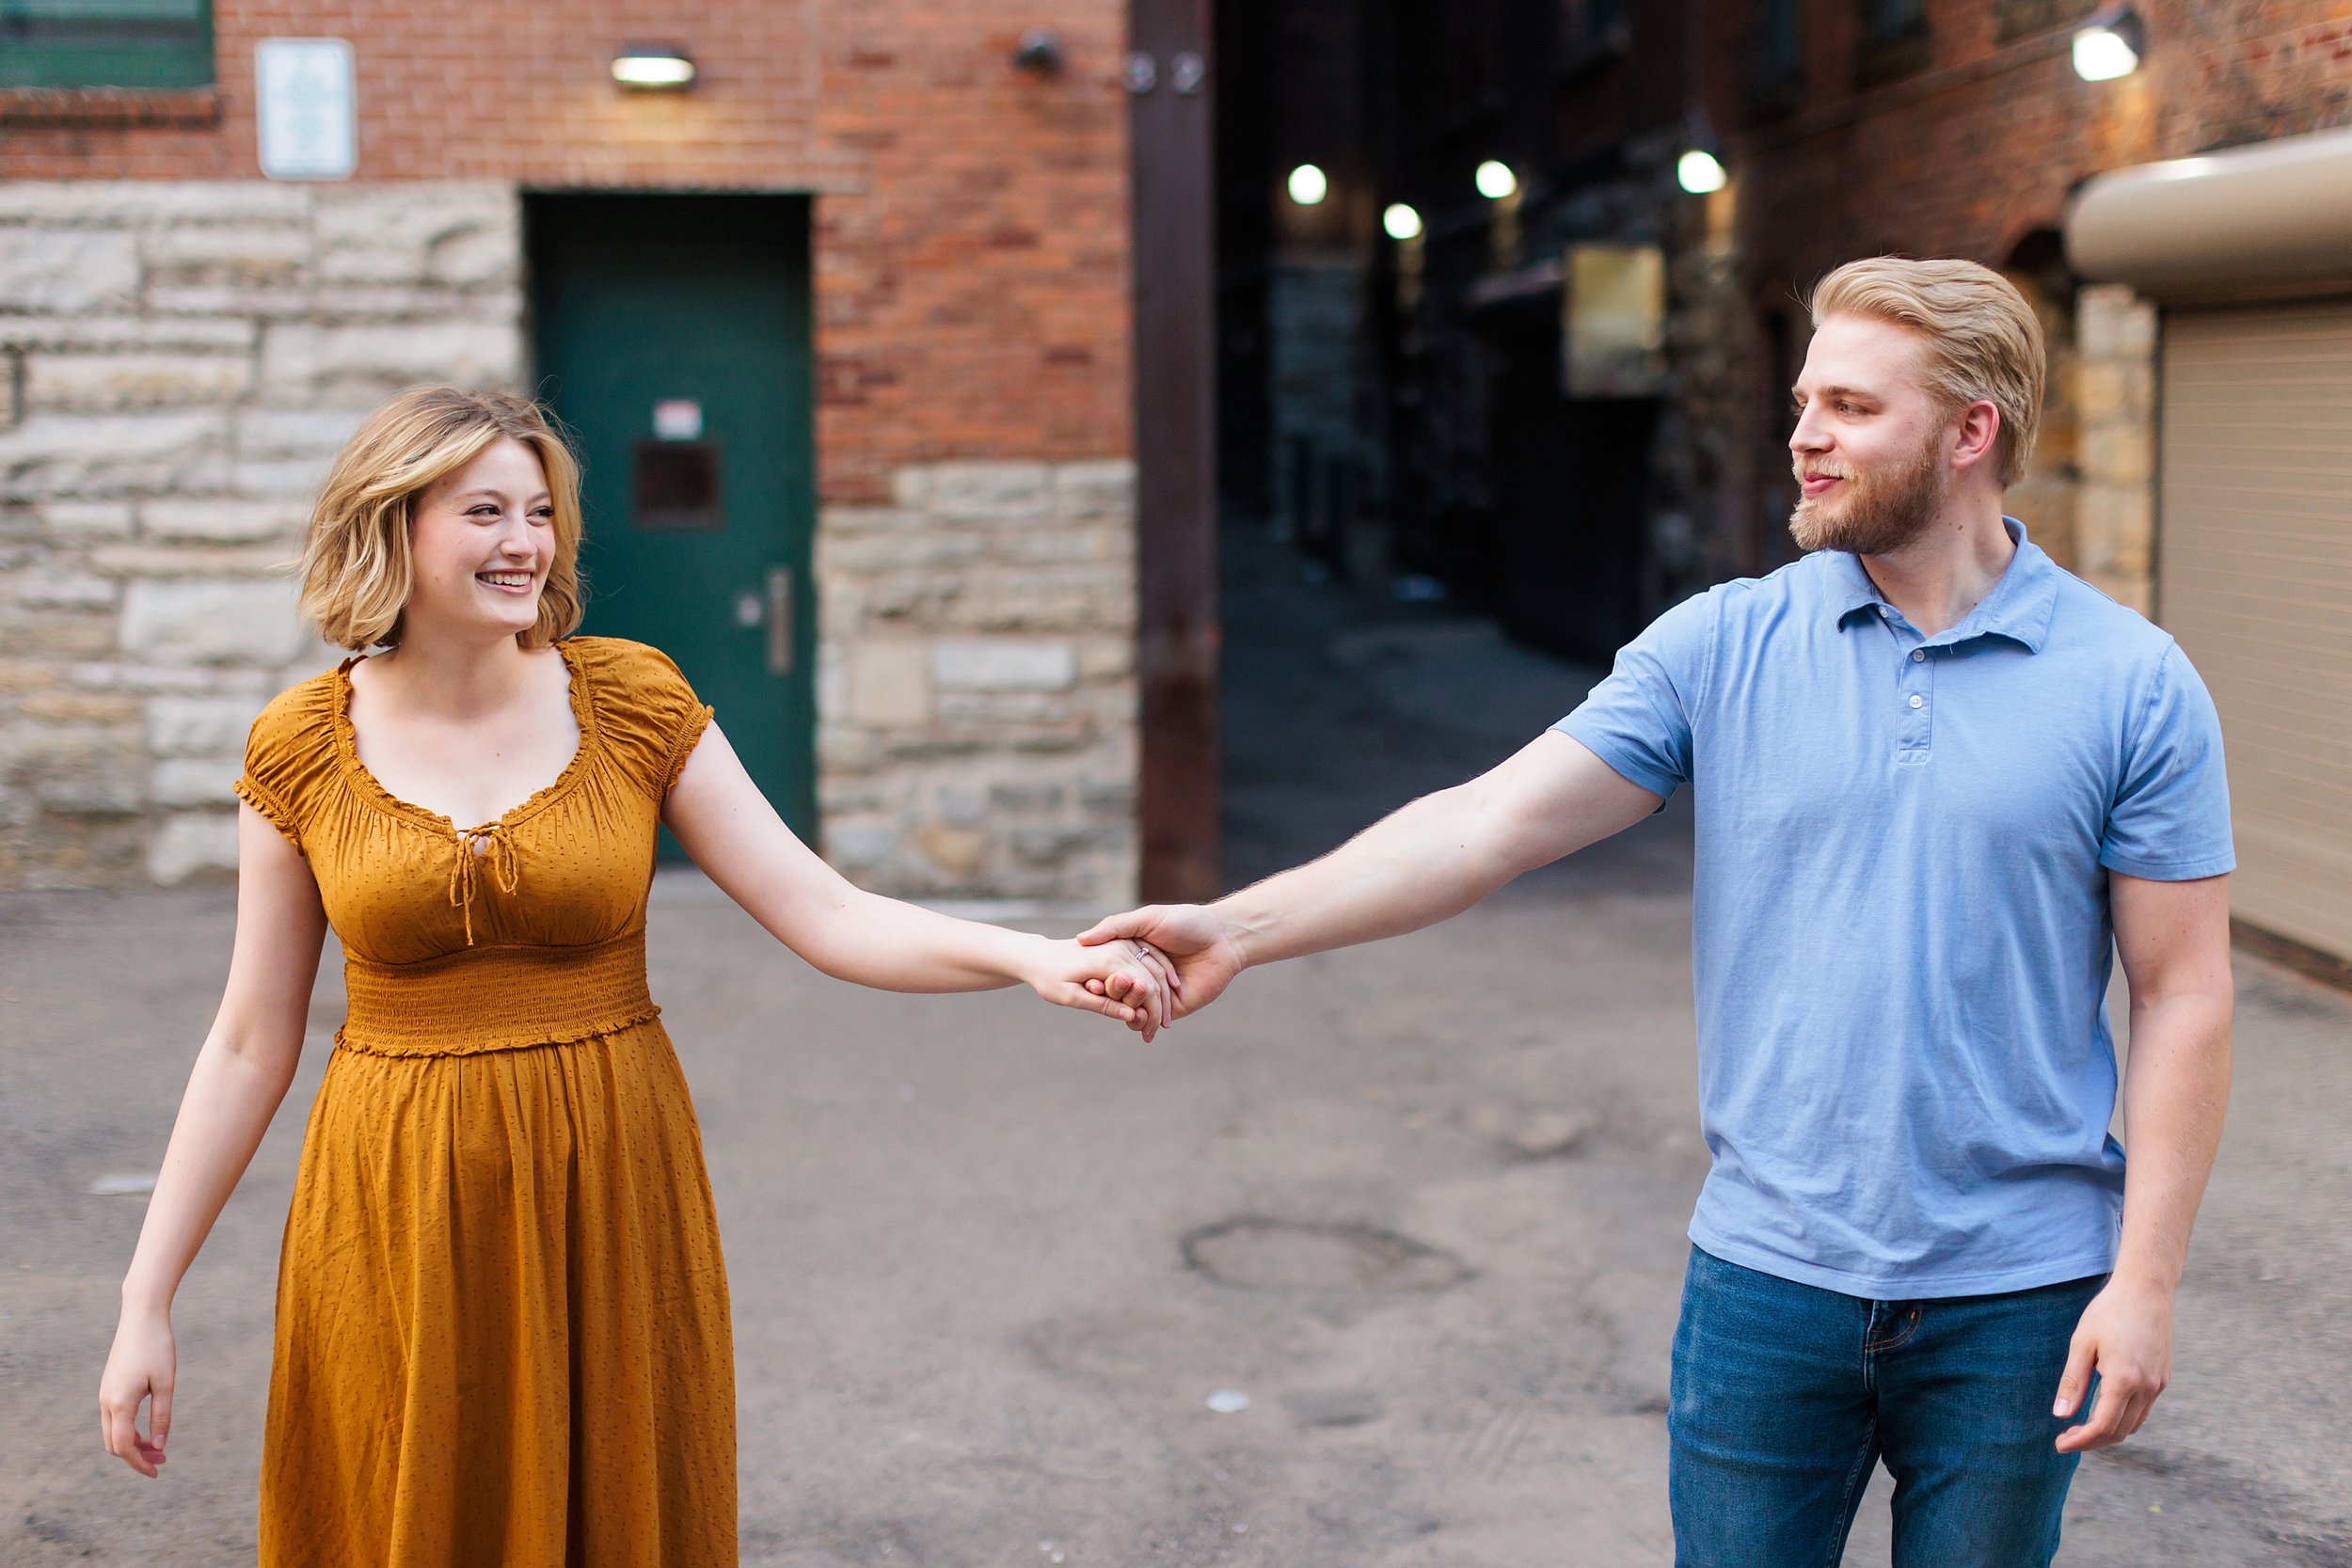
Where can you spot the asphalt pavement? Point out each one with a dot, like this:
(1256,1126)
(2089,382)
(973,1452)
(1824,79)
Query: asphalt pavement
(1374,1264)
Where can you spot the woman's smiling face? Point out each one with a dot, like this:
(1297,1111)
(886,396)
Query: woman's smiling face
(483,541)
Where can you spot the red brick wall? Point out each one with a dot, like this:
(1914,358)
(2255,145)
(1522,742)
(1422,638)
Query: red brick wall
(1984,147)
(971,231)
(973,297)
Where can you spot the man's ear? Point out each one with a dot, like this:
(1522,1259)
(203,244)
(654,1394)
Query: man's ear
(1980,435)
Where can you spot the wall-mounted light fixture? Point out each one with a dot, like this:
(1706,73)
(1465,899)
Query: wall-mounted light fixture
(653,67)
(1399,222)
(2110,43)
(1495,180)
(1307,186)
(1040,50)
(1700,172)
(1700,168)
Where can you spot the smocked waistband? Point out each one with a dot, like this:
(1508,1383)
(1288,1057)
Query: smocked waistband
(495,999)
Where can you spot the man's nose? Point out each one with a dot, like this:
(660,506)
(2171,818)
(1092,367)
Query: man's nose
(1807,435)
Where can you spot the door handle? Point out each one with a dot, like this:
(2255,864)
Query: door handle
(779,620)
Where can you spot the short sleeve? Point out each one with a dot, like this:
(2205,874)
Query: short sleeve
(651,717)
(288,751)
(1639,719)
(2170,822)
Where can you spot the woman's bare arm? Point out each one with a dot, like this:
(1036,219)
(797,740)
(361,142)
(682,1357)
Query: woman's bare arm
(736,836)
(240,1078)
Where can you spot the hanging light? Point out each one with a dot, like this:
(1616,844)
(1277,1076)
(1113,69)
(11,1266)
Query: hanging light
(1495,180)
(1401,222)
(1307,186)
(653,67)
(2109,45)
(1700,172)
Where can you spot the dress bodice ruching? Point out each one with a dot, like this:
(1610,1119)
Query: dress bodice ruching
(568,867)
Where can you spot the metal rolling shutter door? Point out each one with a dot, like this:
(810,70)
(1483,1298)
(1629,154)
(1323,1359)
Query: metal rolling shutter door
(2255,580)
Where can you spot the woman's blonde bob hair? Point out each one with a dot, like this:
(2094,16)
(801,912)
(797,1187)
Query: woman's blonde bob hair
(357,569)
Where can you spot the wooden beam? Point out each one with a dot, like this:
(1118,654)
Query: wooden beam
(1171,91)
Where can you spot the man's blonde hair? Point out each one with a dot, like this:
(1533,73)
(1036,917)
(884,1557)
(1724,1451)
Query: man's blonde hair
(1985,341)
(357,569)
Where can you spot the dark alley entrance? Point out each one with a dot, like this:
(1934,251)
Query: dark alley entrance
(1342,703)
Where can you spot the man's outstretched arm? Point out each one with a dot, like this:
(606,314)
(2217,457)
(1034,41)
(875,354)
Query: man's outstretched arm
(1412,868)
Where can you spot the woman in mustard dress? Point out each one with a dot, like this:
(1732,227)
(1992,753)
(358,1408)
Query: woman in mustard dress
(503,1329)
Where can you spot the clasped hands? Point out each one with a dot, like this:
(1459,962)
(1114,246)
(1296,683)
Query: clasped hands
(1177,959)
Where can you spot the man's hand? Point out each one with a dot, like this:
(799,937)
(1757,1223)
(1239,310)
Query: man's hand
(2125,1335)
(1196,940)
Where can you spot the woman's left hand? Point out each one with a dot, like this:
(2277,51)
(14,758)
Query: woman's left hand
(1115,979)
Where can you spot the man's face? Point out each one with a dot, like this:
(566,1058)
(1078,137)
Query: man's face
(1872,449)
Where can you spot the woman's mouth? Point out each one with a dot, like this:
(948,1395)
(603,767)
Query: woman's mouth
(505,582)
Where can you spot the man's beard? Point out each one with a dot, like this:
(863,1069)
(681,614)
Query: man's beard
(1886,507)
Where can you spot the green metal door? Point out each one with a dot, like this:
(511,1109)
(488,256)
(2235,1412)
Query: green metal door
(672,336)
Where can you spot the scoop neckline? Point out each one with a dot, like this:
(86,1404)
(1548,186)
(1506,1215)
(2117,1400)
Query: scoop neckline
(348,751)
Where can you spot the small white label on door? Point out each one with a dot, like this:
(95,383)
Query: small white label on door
(304,108)
(677,419)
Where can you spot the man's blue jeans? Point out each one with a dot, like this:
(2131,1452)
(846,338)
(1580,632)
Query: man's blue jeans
(1785,1396)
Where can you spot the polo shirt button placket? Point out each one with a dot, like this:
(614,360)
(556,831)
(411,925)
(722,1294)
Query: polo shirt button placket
(1918,677)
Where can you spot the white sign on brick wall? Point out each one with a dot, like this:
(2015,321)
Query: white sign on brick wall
(306,108)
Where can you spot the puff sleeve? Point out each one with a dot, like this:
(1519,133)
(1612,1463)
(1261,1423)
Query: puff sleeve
(288,755)
(649,714)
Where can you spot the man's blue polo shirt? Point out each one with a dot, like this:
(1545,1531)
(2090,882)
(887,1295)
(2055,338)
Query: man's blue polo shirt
(1901,936)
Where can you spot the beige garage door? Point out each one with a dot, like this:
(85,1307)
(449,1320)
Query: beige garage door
(2254,577)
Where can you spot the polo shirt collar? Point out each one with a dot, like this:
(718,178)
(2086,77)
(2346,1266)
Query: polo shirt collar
(2018,608)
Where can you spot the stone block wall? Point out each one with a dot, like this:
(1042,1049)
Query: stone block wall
(2115,396)
(182,360)
(975,686)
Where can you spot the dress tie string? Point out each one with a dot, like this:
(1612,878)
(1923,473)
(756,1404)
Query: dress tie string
(464,878)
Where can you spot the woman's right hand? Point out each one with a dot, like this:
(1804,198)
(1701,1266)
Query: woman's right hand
(142,1366)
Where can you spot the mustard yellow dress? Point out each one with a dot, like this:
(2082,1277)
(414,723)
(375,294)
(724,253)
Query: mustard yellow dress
(502,1334)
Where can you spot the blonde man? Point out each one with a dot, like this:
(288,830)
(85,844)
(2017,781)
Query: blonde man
(1936,778)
